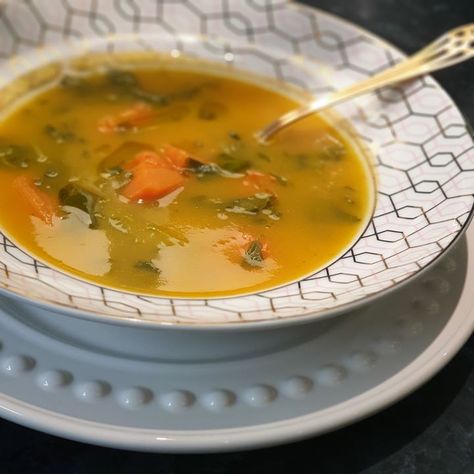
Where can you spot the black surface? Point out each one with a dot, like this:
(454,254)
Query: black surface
(431,431)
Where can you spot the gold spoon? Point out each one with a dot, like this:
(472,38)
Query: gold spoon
(451,48)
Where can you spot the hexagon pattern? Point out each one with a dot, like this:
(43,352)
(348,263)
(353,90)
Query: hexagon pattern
(423,150)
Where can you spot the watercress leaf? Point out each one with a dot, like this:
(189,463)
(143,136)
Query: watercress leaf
(75,83)
(15,156)
(128,84)
(252,205)
(330,148)
(73,195)
(253,256)
(346,216)
(59,134)
(119,77)
(281,179)
(148,266)
(201,168)
(232,163)
(148,96)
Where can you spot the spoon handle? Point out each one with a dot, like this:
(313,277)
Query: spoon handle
(453,47)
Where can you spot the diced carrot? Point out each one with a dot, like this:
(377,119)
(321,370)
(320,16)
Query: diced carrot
(177,157)
(155,175)
(167,156)
(150,183)
(146,158)
(135,115)
(39,203)
(259,181)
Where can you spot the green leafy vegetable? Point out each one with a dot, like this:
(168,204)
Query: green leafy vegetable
(232,163)
(148,266)
(253,205)
(202,169)
(281,179)
(329,211)
(73,195)
(15,156)
(76,83)
(128,84)
(346,216)
(114,171)
(331,149)
(60,135)
(147,96)
(264,157)
(122,78)
(234,136)
(254,254)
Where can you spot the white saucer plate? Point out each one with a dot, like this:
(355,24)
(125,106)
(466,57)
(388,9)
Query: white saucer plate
(332,374)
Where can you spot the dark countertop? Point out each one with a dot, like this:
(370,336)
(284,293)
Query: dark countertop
(431,431)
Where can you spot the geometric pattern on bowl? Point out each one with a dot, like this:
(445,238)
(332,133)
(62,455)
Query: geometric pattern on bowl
(423,148)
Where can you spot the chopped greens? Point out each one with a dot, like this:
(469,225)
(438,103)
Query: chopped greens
(253,256)
(129,85)
(73,195)
(202,169)
(345,216)
(331,149)
(15,156)
(77,83)
(234,136)
(232,163)
(60,134)
(114,171)
(281,179)
(253,205)
(148,266)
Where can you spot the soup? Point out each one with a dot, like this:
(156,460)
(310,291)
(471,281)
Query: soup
(150,180)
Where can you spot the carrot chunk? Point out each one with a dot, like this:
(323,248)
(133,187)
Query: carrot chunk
(167,156)
(176,157)
(150,183)
(155,175)
(146,158)
(129,118)
(39,203)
